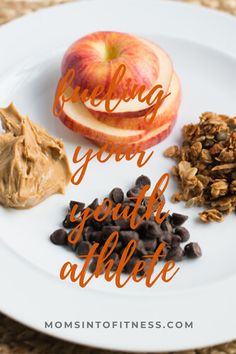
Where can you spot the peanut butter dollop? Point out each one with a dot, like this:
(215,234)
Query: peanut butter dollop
(33,164)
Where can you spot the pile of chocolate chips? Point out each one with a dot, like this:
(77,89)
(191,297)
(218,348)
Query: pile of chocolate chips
(148,235)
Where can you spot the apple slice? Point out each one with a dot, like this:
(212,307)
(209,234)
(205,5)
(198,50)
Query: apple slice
(166,112)
(151,138)
(77,118)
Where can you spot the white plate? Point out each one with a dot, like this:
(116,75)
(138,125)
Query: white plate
(203,47)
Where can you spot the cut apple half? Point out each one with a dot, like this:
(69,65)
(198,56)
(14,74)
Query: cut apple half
(135,108)
(77,118)
(165,113)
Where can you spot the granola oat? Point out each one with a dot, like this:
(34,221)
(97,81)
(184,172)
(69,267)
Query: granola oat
(211,215)
(206,166)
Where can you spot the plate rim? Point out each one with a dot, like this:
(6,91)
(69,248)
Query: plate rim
(19,22)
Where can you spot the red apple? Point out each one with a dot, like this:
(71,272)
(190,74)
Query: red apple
(96,57)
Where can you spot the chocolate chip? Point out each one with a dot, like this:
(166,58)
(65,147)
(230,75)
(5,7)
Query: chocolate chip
(141,210)
(131,264)
(126,205)
(94,204)
(142,228)
(133,192)
(149,229)
(87,232)
(80,206)
(160,196)
(176,254)
(150,245)
(117,195)
(59,237)
(73,246)
(127,236)
(68,224)
(178,219)
(93,266)
(140,249)
(164,252)
(119,247)
(115,257)
(147,264)
(166,225)
(176,240)
(96,236)
(183,233)
(148,235)
(108,229)
(163,213)
(83,248)
(124,224)
(145,202)
(193,250)
(107,221)
(152,218)
(142,181)
(166,237)
(153,230)
(97,225)
(137,219)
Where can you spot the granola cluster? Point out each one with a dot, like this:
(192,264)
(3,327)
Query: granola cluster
(206,169)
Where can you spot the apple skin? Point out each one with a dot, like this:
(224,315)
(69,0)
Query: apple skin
(134,108)
(166,112)
(142,144)
(96,57)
